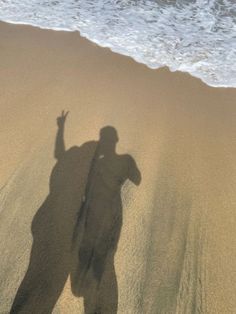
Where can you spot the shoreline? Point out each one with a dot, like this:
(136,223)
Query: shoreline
(111,50)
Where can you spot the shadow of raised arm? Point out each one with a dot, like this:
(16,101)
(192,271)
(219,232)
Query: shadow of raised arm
(60,144)
(134,175)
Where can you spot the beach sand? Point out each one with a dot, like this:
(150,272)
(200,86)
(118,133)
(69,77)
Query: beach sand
(177,248)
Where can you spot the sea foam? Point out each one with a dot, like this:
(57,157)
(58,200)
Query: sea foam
(194,36)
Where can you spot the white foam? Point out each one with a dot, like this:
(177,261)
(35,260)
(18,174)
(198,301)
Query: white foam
(194,36)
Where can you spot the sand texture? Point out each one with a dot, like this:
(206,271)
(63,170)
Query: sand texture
(161,214)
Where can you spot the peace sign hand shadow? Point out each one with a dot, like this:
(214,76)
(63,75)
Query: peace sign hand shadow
(62,119)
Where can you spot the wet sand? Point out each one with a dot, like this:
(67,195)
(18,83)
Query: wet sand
(177,248)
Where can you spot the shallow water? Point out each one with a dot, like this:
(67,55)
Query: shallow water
(195,36)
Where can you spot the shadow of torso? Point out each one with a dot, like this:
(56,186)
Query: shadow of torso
(76,231)
(52,230)
(93,276)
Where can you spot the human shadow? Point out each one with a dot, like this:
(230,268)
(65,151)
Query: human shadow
(77,228)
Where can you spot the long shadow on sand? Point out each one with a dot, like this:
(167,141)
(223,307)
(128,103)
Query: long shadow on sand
(77,228)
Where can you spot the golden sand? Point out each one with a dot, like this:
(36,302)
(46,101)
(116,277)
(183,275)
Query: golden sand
(177,248)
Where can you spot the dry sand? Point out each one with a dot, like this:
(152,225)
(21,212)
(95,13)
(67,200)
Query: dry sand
(177,249)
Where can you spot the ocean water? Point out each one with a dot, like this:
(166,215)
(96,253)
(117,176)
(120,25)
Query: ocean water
(194,36)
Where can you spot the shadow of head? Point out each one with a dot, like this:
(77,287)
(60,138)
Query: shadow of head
(109,134)
(108,138)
